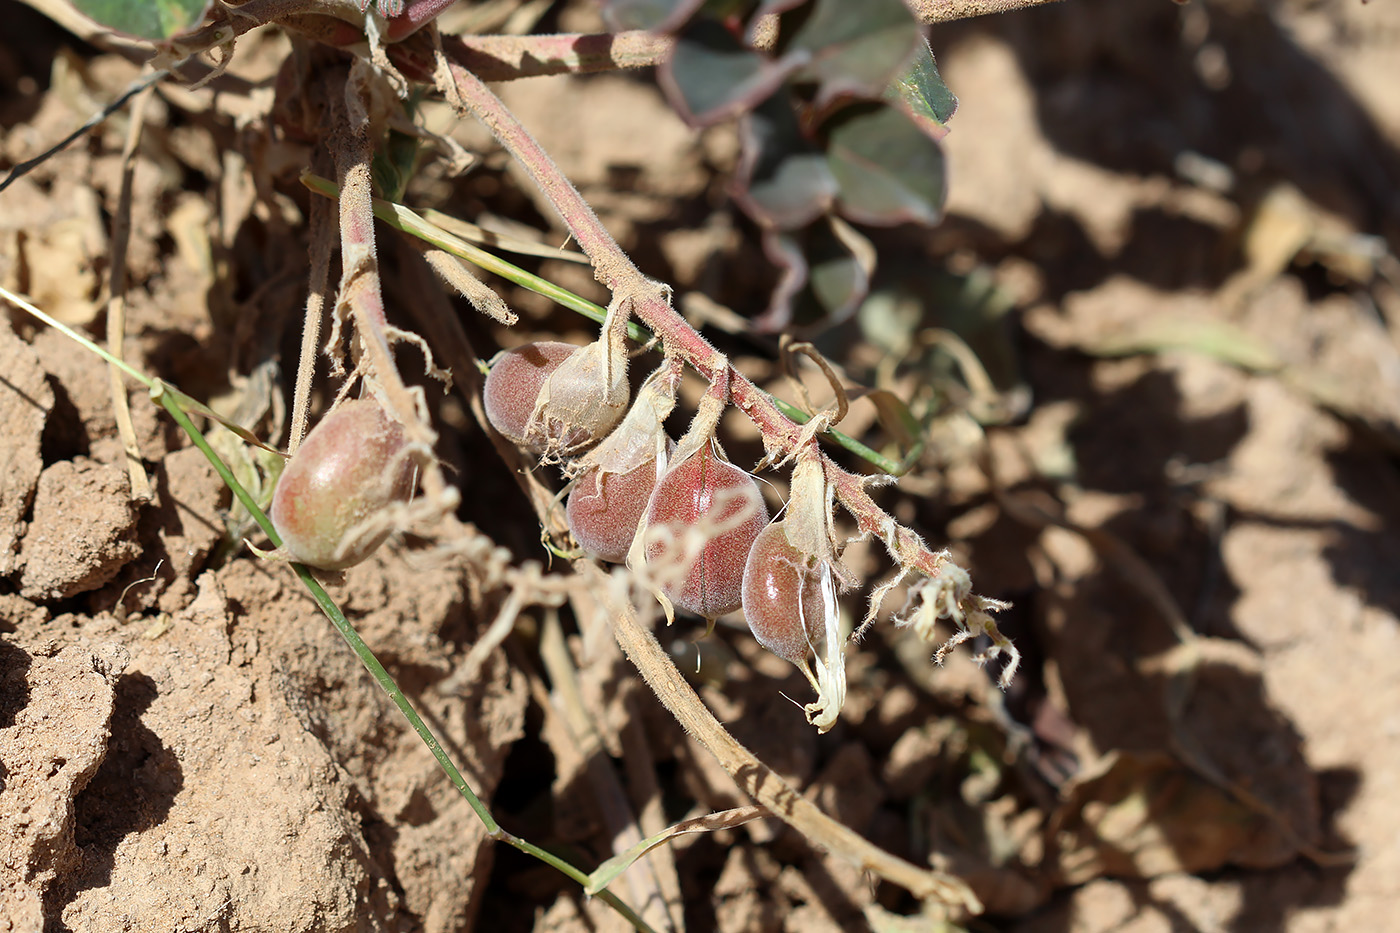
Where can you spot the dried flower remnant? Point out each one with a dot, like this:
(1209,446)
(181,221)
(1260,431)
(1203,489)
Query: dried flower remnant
(949,596)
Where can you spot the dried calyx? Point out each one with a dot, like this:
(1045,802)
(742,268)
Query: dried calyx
(586,393)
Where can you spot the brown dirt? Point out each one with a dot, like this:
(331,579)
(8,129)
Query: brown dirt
(1189,215)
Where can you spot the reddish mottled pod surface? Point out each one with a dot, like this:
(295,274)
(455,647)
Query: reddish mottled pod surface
(783,599)
(331,498)
(707,493)
(513,385)
(604,521)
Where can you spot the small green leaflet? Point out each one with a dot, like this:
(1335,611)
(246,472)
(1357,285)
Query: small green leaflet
(145,19)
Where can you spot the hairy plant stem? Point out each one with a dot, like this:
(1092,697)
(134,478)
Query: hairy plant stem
(613,268)
(502,58)
(756,778)
(505,58)
(360,294)
(116,300)
(948,11)
(318,287)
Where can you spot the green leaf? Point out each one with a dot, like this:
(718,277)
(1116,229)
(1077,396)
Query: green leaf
(893,414)
(783,180)
(921,89)
(394,164)
(888,170)
(711,75)
(145,19)
(841,261)
(856,49)
(656,15)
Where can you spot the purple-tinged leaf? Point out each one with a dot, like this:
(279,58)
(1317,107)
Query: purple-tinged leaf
(783,180)
(655,15)
(711,76)
(888,170)
(784,251)
(831,258)
(857,48)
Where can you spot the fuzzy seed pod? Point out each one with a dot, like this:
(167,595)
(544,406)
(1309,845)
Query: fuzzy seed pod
(604,509)
(330,503)
(710,509)
(784,601)
(513,387)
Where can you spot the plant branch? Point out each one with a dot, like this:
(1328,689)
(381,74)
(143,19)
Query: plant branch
(948,11)
(756,778)
(406,220)
(502,58)
(615,269)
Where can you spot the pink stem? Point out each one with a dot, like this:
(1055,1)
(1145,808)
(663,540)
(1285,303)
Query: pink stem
(500,58)
(615,269)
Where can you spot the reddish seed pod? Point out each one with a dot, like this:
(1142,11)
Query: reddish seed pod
(782,595)
(709,493)
(604,521)
(513,385)
(329,500)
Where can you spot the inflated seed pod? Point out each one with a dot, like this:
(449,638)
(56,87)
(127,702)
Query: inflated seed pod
(783,598)
(721,502)
(330,502)
(603,514)
(513,387)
